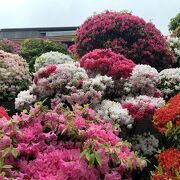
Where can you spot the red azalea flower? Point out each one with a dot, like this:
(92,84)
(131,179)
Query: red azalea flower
(169,160)
(169,112)
(3,113)
(50,68)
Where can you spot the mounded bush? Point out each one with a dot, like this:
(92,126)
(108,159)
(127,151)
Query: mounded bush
(170,82)
(64,144)
(14,75)
(174,22)
(126,34)
(174,44)
(167,118)
(10,46)
(51,58)
(106,62)
(33,48)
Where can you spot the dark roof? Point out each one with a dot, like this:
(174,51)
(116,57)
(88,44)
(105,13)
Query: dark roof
(41,29)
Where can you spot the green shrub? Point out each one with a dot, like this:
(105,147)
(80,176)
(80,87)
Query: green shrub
(174,22)
(33,48)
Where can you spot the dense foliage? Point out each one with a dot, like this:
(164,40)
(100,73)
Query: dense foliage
(63,143)
(174,22)
(168,117)
(168,167)
(10,46)
(51,58)
(74,119)
(14,75)
(106,62)
(126,34)
(174,44)
(170,82)
(33,48)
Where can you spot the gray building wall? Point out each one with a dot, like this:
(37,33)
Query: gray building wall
(24,33)
(19,34)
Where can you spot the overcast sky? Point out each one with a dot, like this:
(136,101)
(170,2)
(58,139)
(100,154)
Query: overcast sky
(58,13)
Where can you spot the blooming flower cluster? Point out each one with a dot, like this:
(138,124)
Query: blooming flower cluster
(168,113)
(174,43)
(3,113)
(65,83)
(63,143)
(106,62)
(51,58)
(53,78)
(168,167)
(72,51)
(126,34)
(91,91)
(146,143)
(10,46)
(143,81)
(112,112)
(142,106)
(24,99)
(170,82)
(14,75)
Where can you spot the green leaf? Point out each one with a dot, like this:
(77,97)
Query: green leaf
(116,126)
(1,161)
(117,150)
(92,159)
(71,115)
(98,158)
(159,169)
(123,143)
(3,173)
(88,156)
(178,174)
(106,146)
(14,152)
(7,166)
(84,152)
(70,123)
(169,125)
(116,158)
(5,152)
(1,135)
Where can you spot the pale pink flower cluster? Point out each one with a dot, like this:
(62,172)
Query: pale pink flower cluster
(14,75)
(143,81)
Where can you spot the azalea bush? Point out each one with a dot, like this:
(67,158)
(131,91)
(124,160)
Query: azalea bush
(174,43)
(10,46)
(51,58)
(66,143)
(14,75)
(146,143)
(72,51)
(33,48)
(170,82)
(167,120)
(108,95)
(106,62)
(143,81)
(65,83)
(113,112)
(125,34)
(3,113)
(142,106)
(174,22)
(168,167)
